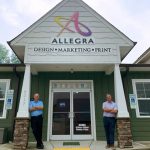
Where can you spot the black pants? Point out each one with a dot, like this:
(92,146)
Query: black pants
(109,126)
(36,125)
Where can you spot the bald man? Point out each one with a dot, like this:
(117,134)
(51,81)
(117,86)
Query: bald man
(36,112)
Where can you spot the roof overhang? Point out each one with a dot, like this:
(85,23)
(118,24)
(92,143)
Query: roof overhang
(135,67)
(12,67)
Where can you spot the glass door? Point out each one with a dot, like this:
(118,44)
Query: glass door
(71,115)
(61,113)
(82,115)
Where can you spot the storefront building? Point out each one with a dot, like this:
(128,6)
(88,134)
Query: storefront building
(71,57)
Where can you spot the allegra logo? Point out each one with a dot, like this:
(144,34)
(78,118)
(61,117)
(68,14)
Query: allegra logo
(75,19)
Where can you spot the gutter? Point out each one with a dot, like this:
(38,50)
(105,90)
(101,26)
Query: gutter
(134,43)
(12,65)
(134,65)
(16,94)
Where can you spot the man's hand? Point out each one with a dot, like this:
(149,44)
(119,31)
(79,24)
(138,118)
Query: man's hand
(36,108)
(32,109)
(110,110)
(114,111)
(107,110)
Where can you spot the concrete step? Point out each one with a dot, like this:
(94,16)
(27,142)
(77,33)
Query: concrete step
(93,145)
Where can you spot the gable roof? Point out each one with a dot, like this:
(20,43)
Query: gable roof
(144,57)
(17,47)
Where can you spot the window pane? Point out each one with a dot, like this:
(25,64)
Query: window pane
(61,102)
(81,101)
(2,89)
(1,108)
(61,109)
(82,123)
(147,89)
(139,86)
(147,86)
(144,107)
(147,93)
(61,124)
(140,90)
(140,94)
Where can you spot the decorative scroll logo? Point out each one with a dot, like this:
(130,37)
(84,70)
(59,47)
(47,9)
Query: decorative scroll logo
(75,19)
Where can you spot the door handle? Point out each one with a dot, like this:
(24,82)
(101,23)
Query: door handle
(71,115)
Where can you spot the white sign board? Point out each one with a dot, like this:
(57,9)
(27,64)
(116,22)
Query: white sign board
(133,101)
(9,99)
(89,53)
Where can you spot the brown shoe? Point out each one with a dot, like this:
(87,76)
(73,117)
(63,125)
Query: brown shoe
(113,148)
(107,146)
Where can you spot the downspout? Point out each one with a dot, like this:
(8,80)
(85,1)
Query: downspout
(17,95)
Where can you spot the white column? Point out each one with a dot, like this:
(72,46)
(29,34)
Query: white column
(119,94)
(23,110)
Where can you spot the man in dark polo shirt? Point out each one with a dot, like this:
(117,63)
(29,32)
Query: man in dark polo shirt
(36,111)
(109,118)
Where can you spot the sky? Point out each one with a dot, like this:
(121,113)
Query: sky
(132,17)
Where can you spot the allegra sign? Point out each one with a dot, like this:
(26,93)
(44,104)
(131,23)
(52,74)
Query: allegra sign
(75,19)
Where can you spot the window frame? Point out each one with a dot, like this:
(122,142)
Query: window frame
(134,81)
(7,88)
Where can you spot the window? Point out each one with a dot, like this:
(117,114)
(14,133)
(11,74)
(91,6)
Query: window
(4,86)
(141,88)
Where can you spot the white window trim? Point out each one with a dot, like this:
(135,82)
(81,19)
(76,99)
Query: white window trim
(7,88)
(134,81)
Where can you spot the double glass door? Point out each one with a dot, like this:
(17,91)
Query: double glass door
(71,117)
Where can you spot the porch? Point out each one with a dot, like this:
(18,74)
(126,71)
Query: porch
(93,145)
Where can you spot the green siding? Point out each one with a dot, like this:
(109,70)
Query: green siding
(8,123)
(140,126)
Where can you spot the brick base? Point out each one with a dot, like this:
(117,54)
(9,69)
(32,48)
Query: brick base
(124,133)
(21,133)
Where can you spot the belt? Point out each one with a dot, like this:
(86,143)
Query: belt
(108,117)
(36,116)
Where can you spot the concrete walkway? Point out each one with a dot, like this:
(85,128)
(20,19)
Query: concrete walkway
(94,145)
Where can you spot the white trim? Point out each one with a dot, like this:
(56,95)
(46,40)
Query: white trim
(23,110)
(142,57)
(93,111)
(7,88)
(134,81)
(119,94)
(92,107)
(49,112)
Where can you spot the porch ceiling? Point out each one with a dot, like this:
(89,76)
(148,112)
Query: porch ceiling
(35,68)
